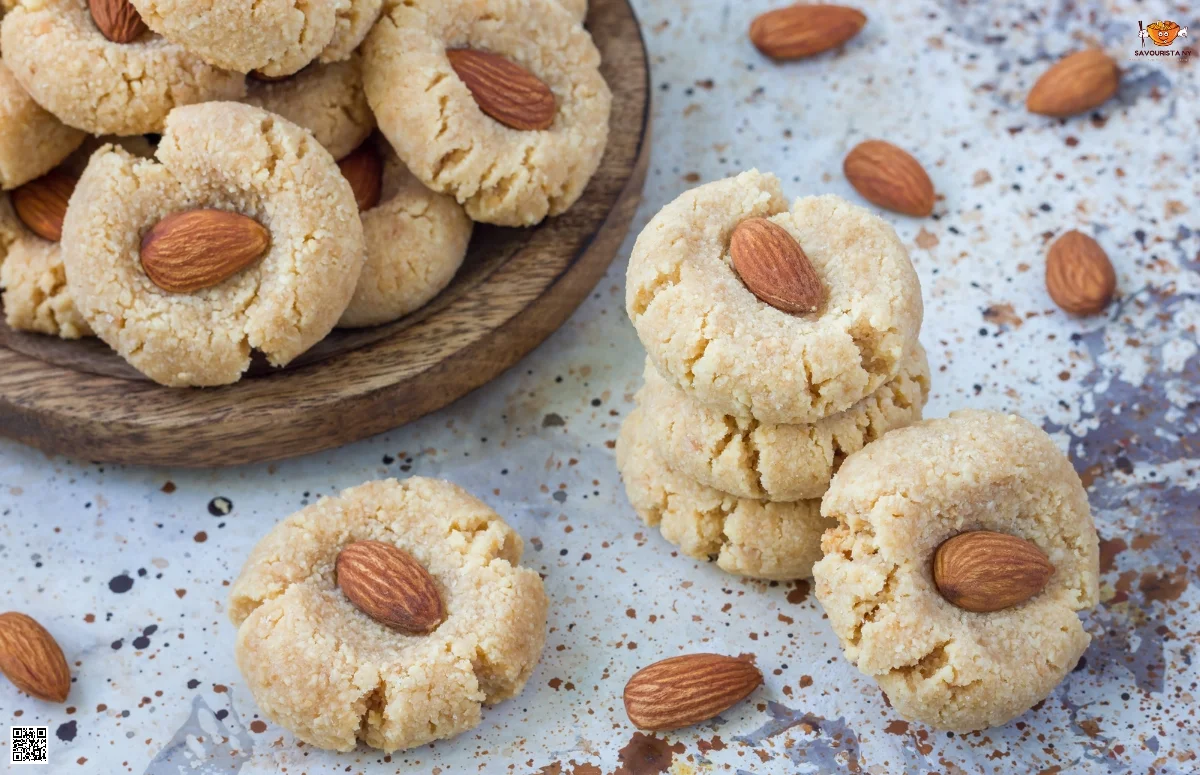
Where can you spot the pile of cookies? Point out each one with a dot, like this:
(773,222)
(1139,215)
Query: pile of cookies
(779,341)
(193,182)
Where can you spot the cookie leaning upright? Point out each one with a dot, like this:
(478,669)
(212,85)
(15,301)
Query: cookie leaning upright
(704,329)
(121,85)
(500,104)
(242,234)
(404,644)
(1023,562)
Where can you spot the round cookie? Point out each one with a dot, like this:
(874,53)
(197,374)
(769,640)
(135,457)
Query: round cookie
(416,241)
(896,501)
(32,140)
(327,100)
(746,537)
(354,20)
(32,275)
(771,461)
(704,330)
(225,156)
(274,37)
(501,175)
(89,82)
(320,667)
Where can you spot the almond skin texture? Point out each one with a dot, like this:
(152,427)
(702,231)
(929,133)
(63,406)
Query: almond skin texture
(363,168)
(504,90)
(984,571)
(1079,276)
(117,20)
(1075,84)
(681,691)
(774,267)
(799,31)
(42,204)
(31,658)
(889,177)
(391,587)
(197,249)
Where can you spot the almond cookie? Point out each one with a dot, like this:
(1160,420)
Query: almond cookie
(706,331)
(896,502)
(327,100)
(333,675)
(577,8)
(220,157)
(274,37)
(416,241)
(32,276)
(502,175)
(89,82)
(354,20)
(746,537)
(32,140)
(771,461)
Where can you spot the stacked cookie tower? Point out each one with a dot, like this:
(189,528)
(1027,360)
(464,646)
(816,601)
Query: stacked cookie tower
(779,341)
(195,181)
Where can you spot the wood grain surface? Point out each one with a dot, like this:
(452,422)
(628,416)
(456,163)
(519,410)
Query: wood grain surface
(515,288)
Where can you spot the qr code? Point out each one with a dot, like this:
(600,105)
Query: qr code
(29,745)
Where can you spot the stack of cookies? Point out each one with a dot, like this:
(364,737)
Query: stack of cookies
(196,180)
(779,341)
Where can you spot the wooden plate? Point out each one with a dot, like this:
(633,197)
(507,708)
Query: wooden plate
(515,288)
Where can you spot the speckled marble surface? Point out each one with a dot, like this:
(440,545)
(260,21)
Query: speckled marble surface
(129,567)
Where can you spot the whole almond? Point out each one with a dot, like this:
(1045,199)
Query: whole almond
(686,690)
(363,167)
(117,20)
(983,571)
(41,204)
(504,90)
(1075,84)
(799,31)
(774,267)
(889,177)
(390,586)
(31,658)
(197,249)
(1079,276)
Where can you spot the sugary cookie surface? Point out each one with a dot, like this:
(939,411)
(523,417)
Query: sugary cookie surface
(319,666)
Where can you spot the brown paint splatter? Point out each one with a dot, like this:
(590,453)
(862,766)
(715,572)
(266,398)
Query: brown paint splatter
(1003,314)
(982,177)
(647,755)
(1166,587)
(897,728)
(806,681)
(716,744)
(1109,549)
(169,487)
(799,593)
(1145,541)
(220,688)
(1089,475)
(926,240)
(258,727)
(200,537)
(1091,727)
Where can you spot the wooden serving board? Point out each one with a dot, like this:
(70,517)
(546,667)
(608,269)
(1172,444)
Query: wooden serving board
(515,288)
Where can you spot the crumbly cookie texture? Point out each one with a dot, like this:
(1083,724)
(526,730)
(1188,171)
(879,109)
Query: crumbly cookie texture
(416,241)
(896,501)
(703,329)
(501,175)
(772,461)
(332,675)
(746,537)
(32,140)
(35,291)
(577,8)
(61,58)
(354,20)
(274,37)
(327,100)
(11,228)
(227,156)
